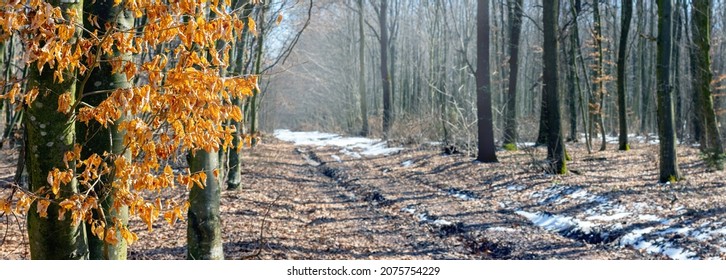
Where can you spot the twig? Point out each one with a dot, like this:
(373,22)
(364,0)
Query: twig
(257,251)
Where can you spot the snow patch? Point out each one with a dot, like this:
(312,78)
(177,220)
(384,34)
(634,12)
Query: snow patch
(613,217)
(503,229)
(649,218)
(352,146)
(463,195)
(407,163)
(637,240)
(516,187)
(556,222)
(424,217)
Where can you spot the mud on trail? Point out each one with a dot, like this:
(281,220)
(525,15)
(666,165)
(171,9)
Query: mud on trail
(311,202)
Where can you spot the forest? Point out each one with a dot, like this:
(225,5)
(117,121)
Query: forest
(362,129)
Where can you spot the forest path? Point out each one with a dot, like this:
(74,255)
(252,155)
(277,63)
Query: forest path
(408,205)
(328,202)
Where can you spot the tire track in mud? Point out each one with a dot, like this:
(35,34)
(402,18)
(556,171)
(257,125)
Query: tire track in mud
(471,242)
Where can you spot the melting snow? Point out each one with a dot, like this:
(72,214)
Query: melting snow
(352,146)
(637,241)
(649,218)
(424,217)
(504,229)
(613,217)
(516,187)
(556,222)
(463,195)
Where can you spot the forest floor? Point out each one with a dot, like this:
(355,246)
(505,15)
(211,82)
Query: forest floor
(332,202)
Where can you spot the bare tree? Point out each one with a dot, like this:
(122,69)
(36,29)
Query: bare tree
(487,150)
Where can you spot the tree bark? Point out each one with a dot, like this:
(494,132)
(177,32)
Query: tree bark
(515,30)
(555,143)
(385,76)
(702,77)
(98,139)
(487,150)
(666,122)
(234,156)
(362,71)
(204,234)
(49,237)
(598,102)
(627,11)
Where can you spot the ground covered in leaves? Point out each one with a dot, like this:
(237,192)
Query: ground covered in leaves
(328,202)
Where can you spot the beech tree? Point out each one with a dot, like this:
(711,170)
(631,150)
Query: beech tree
(96,138)
(702,76)
(555,144)
(515,28)
(487,150)
(52,231)
(362,69)
(669,170)
(385,75)
(626,14)
(179,105)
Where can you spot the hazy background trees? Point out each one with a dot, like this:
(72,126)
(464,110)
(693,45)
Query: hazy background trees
(431,59)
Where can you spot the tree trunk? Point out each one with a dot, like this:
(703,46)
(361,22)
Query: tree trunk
(702,77)
(627,12)
(98,139)
(204,234)
(362,72)
(49,237)
(515,30)
(543,132)
(385,76)
(487,150)
(677,88)
(253,105)
(555,144)
(598,102)
(234,155)
(571,92)
(666,121)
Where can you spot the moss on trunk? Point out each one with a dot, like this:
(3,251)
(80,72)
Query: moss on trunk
(50,134)
(204,234)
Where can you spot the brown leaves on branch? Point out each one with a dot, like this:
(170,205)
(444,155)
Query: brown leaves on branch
(178,105)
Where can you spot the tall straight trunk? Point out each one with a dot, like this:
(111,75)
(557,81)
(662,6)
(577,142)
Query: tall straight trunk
(678,92)
(362,71)
(98,139)
(576,7)
(702,76)
(515,30)
(697,115)
(543,132)
(555,144)
(487,150)
(234,156)
(204,227)
(385,76)
(627,12)
(51,237)
(645,71)
(571,92)
(666,119)
(599,76)
(253,105)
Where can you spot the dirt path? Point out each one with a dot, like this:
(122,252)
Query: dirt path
(302,202)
